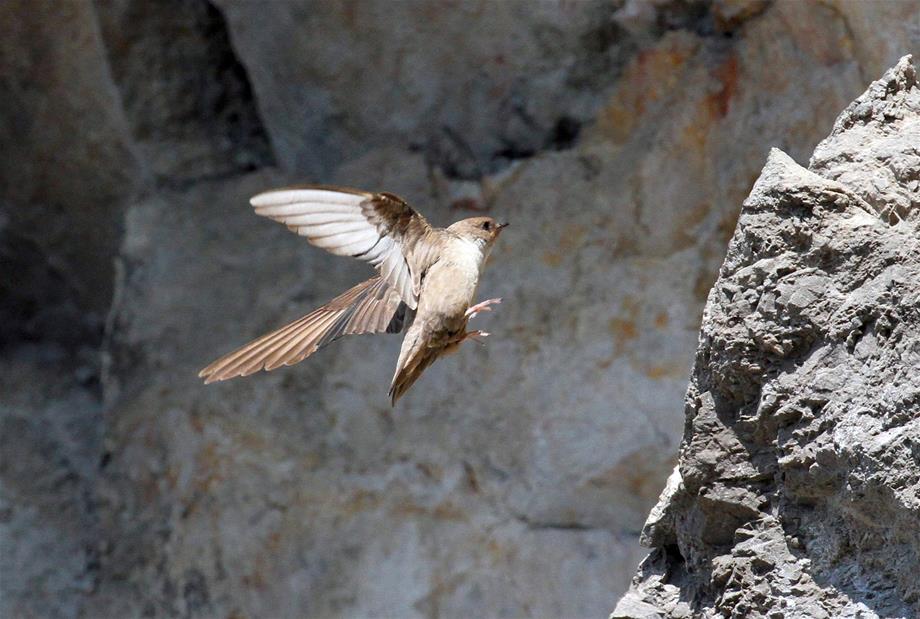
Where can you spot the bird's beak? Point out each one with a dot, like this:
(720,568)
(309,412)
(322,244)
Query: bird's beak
(504,225)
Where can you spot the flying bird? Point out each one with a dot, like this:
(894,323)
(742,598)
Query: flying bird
(426,283)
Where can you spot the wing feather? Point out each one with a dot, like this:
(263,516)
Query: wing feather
(317,193)
(341,228)
(378,228)
(296,348)
(319,219)
(250,357)
(296,208)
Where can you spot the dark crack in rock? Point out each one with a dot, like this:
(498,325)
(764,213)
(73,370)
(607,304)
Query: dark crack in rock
(475,86)
(797,491)
(185,93)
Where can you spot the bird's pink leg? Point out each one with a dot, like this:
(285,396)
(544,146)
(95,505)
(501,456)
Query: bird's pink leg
(467,335)
(471,313)
(474,310)
(475,335)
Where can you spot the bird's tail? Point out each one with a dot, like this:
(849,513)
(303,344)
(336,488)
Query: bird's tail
(411,364)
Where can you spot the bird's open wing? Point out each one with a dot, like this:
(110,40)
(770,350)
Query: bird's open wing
(379,228)
(370,307)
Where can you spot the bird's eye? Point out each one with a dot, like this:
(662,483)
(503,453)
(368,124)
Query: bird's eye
(486,225)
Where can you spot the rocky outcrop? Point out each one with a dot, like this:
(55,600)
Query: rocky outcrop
(797,490)
(619,138)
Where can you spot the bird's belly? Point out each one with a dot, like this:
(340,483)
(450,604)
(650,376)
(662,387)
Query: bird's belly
(446,294)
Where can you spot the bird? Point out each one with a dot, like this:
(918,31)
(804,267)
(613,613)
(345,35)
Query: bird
(425,287)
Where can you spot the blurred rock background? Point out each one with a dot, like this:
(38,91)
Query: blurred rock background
(619,138)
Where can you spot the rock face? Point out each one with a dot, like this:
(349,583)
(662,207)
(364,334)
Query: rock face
(188,122)
(68,167)
(797,490)
(619,138)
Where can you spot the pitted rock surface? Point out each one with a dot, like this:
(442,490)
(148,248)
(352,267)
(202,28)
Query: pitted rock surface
(797,490)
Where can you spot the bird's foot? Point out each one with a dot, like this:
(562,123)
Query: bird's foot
(485,306)
(466,335)
(475,336)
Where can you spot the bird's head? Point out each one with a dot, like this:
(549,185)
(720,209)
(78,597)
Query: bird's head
(481,230)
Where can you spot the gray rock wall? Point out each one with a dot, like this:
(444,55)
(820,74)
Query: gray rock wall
(618,138)
(68,168)
(796,490)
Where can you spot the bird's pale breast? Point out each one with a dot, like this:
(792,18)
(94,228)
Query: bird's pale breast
(450,284)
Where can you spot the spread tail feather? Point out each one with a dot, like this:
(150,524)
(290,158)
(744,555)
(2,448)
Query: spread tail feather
(415,355)
(370,307)
(407,374)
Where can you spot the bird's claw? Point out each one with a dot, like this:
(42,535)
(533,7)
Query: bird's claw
(477,309)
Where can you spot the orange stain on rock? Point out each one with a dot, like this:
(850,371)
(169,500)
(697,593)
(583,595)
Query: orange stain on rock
(695,134)
(571,240)
(657,372)
(616,121)
(196,423)
(726,74)
(623,328)
(442,511)
(711,109)
(552,258)
(572,237)
(646,80)
(689,220)
(448,511)
(661,320)
(208,468)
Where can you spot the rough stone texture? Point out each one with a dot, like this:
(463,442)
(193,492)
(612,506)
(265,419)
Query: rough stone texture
(187,98)
(619,138)
(67,168)
(474,84)
(796,490)
(50,441)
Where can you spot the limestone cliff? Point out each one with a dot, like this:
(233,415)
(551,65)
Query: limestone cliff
(797,490)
